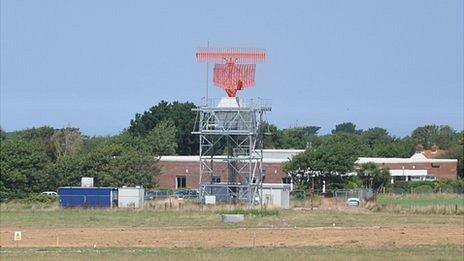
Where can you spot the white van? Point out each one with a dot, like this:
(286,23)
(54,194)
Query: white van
(49,193)
(353,202)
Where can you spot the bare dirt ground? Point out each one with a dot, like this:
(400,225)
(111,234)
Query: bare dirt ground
(407,235)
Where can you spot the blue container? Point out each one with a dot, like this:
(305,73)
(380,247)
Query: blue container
(93,197)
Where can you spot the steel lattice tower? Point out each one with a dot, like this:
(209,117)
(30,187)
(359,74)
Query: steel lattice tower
(231,139)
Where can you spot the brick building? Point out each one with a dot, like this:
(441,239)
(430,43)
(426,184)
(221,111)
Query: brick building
(416,168)
(183,171)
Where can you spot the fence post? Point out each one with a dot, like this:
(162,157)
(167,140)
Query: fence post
(312,193)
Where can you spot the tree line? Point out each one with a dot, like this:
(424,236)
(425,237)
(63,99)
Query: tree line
(45,158)
(331,158)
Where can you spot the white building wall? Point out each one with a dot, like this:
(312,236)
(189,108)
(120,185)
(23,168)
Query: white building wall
(408,172)
(277,195)
(131,197)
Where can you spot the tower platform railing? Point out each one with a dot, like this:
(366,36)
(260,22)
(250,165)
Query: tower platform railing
(244,104)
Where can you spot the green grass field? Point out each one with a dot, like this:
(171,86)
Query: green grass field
(421,203)
(422,200)
(446,252)
(30,215)
(55,217)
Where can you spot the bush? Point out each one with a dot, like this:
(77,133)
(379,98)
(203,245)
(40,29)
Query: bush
(299,194)
(444,186)
(399,187)
(415,184)
(39,198)
(351,185)
(335,185)
(423,189)
(300,191)
(450,186)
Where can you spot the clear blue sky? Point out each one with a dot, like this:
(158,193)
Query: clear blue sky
(94,64)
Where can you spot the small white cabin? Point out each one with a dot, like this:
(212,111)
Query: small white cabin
(131,197)
(277,195)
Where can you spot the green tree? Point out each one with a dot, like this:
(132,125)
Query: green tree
(111,164)
(447,137)
(92,143)
(22,163)
(41,136)
(329,161)
(387,146)
(429,135)
(373,176)
(270,134)
(375,137)
(66,141)
(346,127)
(68,171)
(117,165)
(297,137)
(24,157)
(35,160)
(161,140)
(2,134)
(182,116)
(457,152)
(461,138)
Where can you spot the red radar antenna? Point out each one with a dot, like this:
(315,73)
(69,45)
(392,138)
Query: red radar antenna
(235,67)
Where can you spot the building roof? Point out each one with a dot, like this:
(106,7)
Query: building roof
(269,156)
(416,158)
(282,156)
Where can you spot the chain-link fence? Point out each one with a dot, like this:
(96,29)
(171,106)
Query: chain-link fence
(351,197)
(306,198)
(340,198)
(164,194)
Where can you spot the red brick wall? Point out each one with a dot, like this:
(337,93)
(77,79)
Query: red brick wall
(274,173)
(447,170)
(171,169)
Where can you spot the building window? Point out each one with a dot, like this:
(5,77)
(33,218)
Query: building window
(430,178)
(287,180)
(181,182)
(216,179)
(399,178)
(434,165)
(415,178)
